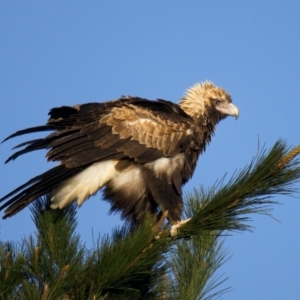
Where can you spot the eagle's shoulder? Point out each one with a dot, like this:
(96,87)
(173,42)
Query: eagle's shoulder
(159,106)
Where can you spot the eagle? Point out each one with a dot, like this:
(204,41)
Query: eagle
(139,152)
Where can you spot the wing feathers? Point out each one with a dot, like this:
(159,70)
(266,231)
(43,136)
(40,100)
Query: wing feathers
(36,145)
(94,155)
(29,130)
(111,140)
(87,133)
(148,155)
(27,143)
(148,128)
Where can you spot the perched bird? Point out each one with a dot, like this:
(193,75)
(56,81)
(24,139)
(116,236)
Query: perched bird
(140,152)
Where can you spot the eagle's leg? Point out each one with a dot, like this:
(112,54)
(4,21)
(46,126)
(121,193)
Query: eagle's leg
(176,225)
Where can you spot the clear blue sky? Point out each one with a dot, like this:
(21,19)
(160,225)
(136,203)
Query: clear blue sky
(55,53)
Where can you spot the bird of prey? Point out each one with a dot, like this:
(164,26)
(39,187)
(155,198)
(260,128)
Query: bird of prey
(139,152)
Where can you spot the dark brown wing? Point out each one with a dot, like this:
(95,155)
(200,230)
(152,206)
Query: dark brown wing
(133,128)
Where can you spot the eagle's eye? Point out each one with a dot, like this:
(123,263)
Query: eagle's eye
(216,101)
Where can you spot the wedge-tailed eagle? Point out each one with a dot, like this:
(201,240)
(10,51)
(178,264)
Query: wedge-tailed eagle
(139,152)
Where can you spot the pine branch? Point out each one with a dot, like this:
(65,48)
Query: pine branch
(145,262)
(225,206)
(193,265)
(11,263)
(128,260)
(51,261)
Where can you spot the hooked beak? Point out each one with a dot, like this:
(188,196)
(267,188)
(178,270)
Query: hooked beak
(230,110)
(233,111)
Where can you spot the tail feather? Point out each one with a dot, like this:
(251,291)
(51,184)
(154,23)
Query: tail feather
(35,188)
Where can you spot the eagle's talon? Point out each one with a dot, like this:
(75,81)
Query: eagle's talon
(175,227)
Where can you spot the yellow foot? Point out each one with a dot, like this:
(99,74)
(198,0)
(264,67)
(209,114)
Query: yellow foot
(174,228)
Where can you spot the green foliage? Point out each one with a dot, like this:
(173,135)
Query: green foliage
(193,264)
(226,206)
(145,262)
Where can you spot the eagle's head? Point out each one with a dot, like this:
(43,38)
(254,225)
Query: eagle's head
(208,102)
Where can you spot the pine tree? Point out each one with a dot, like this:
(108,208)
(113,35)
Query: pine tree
(145,262)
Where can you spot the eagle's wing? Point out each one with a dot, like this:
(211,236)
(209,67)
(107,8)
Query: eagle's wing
(133,128)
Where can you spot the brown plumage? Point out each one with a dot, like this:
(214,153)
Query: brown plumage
(140,152)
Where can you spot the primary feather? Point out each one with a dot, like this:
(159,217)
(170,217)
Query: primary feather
(141,152)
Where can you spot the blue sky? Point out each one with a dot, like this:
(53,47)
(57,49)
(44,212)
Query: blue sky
(55,53)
